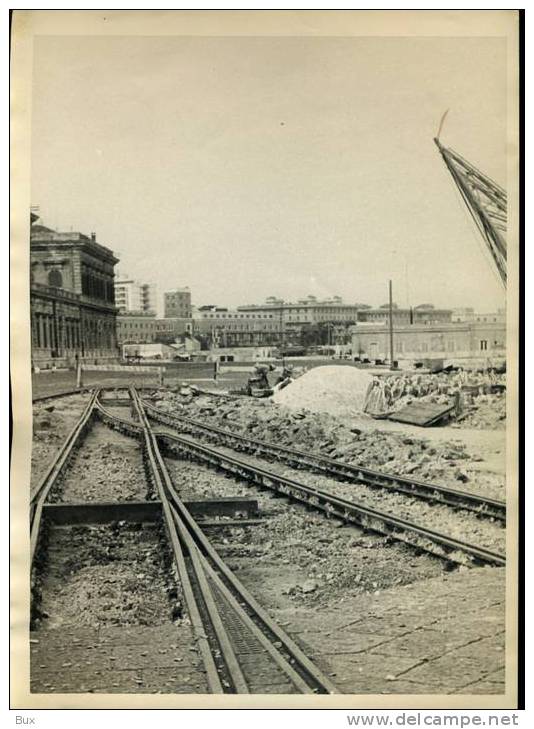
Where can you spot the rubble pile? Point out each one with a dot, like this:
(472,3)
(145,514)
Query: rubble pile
(107,575)
(480,397)
(332,389)
(487,412)
(446,462)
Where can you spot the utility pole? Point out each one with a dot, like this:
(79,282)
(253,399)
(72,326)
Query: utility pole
(391,365)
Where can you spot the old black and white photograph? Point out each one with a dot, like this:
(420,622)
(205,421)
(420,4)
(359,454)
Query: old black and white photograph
(265,273)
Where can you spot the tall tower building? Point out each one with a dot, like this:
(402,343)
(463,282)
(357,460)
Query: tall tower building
(177,303)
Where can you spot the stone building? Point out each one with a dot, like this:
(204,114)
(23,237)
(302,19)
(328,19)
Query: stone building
(169,330)
(72,302)
(305,311)
(422,314)
(136,328)
(235,328)
(177,303)
(461,340)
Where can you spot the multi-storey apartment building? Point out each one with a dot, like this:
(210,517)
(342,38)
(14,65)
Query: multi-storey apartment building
(134,296)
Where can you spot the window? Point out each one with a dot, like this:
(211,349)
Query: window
(483,344)
(55,279)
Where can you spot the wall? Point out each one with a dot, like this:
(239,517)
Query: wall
(240,354)
(465,339)
(135,329)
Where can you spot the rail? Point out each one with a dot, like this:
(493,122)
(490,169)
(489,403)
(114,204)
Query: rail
(417,535)
(39,495)
(483,506)
(231,614)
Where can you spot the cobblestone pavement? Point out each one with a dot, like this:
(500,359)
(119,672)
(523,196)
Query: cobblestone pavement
(442,636)
(137,659)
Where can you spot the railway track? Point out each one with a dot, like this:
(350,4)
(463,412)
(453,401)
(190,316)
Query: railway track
(350,512)
(430,492)
(245,643)
(63,393)
(56,469)
(242,648)
(82,390)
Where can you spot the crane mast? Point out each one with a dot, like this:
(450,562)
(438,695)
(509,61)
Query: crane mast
(485,200)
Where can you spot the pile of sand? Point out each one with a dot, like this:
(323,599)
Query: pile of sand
(335,389)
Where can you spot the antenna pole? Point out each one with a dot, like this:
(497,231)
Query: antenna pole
(391,365)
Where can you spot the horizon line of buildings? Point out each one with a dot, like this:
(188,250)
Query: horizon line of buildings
(81,308)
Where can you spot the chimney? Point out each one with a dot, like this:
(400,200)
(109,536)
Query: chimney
(93,236)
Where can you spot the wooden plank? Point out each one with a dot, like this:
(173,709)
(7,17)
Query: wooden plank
(422,414)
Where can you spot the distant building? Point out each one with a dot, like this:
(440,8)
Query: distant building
(463,314)
(246,354)
(224,327)
(148,351)
(420,341)
(72,302)
(295,319)
(423,314)
(493,317)
(134,296)
(469,314)
(177,303)
(136,328)
(186,345)
(169,330)
(305,311)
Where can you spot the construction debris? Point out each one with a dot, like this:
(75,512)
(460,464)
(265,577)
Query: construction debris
(332,389)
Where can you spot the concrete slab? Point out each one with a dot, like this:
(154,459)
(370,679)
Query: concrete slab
(444,635)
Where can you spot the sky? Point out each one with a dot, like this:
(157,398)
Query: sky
(245,167)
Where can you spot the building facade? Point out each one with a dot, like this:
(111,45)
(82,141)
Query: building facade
(222,327)
(134,296)
(423,314)
(308,321)
(305,311)
(421,341)
(72,302)
(169,330)
(136,328)
(177,304)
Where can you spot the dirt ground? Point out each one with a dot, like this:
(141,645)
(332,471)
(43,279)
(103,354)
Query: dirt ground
(295,561)
(52,422)
(102,575)
(108,467)
(303,558)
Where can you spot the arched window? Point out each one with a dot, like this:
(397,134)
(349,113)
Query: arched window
(55,279)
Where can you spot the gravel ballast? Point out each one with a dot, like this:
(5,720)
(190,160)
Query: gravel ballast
(297,556)
(107,467)
(104,575)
